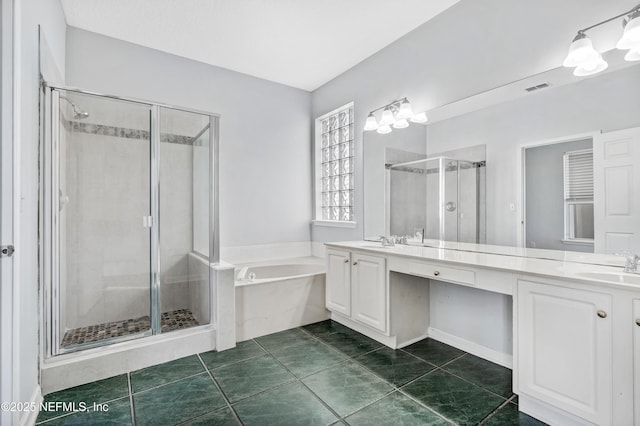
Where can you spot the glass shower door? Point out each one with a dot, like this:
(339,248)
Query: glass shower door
(103,205)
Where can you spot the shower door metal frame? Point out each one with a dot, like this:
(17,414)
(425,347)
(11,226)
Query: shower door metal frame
(50,205)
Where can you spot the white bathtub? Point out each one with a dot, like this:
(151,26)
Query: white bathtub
(284,294)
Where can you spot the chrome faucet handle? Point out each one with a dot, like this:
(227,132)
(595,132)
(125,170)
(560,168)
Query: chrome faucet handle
(387,241)
(632,259)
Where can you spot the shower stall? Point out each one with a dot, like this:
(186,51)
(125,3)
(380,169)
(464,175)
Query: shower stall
(443,198)
(129,223)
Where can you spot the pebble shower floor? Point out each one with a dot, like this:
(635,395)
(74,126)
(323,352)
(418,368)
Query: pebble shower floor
(174,320)
(319,374)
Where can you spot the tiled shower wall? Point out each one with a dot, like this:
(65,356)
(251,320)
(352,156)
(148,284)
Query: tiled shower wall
(106,179)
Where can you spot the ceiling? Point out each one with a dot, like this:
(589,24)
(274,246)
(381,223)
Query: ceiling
(300,43)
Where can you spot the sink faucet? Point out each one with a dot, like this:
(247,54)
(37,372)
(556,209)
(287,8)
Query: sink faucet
(387,241)
(631,266)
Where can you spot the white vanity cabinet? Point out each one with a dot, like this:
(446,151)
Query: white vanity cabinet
(636,360)
(356,287)
(369,290)
(565,348)
(338,281)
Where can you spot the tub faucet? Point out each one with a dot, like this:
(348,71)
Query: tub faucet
(631,265)
(242,274)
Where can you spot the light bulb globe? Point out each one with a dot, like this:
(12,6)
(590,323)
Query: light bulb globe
(632,55)
(580,51)
(420,117)
(631,36)
(384,129)
(387,117)
(401,124)
(591,68)
(405,110)
(371,123)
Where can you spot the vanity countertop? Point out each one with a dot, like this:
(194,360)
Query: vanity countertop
(597,272)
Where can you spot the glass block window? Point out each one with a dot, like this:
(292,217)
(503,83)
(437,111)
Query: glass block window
(334,165)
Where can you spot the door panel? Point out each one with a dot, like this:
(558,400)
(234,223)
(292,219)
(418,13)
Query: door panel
(369,291)
(616,162)
(338,281)
(564,348)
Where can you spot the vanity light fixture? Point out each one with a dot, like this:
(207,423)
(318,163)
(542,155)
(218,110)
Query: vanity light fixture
(588,61)
(396,114)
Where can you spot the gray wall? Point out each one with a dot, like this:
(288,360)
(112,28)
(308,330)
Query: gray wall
(265,155)
(544,182)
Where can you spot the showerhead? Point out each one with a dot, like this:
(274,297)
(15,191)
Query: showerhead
(77,113)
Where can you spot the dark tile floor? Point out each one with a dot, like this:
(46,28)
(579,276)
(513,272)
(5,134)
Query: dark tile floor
(322,374)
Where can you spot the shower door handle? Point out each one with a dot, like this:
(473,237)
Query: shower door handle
(147,221)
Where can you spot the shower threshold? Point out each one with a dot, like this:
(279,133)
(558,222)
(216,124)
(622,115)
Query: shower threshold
(172,320)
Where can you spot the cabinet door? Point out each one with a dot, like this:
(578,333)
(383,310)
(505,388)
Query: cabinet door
(564,349)
(338,281)
(636,360)
(368,291)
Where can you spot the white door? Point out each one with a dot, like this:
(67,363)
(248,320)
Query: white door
(338,281)
(368,291)
(564,349)
(636,360)
(616,198)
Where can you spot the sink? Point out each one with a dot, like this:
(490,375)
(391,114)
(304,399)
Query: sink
(375,246)
(611,277)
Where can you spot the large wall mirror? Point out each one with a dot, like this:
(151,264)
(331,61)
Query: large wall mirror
(562,165)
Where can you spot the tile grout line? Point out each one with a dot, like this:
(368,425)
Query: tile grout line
(441,367)
(70,413)
(133,416)
(393,386)
(224,396)
(299,380)
(168,383)
(493,413)
(234,362)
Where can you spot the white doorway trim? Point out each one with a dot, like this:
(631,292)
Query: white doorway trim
(8,194)
(521,173)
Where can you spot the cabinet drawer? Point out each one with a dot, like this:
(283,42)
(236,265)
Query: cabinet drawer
(443,273)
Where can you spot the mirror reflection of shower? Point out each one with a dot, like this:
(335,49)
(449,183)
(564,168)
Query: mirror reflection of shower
(445,196)
(78,114)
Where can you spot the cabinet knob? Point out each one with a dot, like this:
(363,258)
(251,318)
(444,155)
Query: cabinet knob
(346,261)
(436,273)
(355,263)
(638,322)
(602,314)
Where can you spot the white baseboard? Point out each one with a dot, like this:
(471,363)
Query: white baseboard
(28,418)
(473,348)
(412,341)
(263,252)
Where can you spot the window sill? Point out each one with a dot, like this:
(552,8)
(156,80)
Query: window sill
(579,242)
(334,223)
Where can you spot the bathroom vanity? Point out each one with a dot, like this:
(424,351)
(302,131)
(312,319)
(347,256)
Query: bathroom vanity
(576,326)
